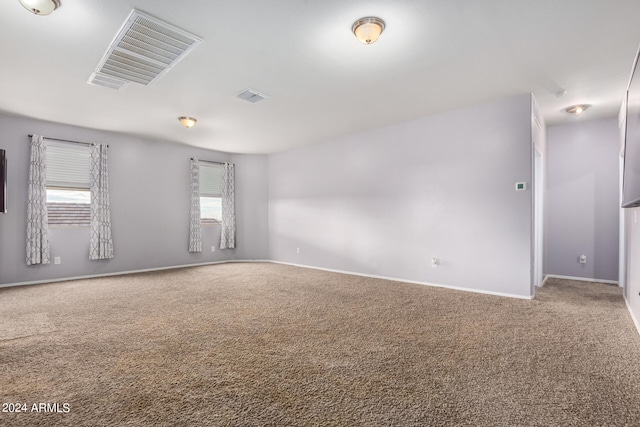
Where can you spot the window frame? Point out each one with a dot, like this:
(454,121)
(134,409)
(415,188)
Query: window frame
(210,188)
(60,157)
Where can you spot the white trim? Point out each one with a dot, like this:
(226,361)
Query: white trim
(395,279)
(501,294)
(581,279)
(120,273)
(546,277)
(633,317)
(146,270)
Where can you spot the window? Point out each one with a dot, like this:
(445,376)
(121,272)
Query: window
(210,193)
(68,184)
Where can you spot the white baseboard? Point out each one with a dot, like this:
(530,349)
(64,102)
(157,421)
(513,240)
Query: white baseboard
(120,273)
(633,317)
(581,279)
(395,279)
(546,277)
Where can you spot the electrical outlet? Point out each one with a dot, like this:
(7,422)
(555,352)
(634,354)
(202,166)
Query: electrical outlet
(582,259)
(213,248)
(297,250)
(57,260)
(435,262)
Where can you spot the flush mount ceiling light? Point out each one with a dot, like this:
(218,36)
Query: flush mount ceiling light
(40,7)
(187,122)
(577,109)
(368,29)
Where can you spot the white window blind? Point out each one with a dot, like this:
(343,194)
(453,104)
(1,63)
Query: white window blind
(68,165)
(210,180)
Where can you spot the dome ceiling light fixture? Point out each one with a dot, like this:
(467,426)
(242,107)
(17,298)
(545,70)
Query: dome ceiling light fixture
(577,109)
(187,122)
(367,30)
(40,7)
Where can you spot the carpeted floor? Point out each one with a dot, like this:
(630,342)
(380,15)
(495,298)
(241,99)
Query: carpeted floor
(273,345)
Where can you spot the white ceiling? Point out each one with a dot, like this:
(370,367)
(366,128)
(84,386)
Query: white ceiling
(433,56)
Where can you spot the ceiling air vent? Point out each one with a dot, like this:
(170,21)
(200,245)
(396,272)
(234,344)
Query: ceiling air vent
(144,49)
(252,95)
(106,81)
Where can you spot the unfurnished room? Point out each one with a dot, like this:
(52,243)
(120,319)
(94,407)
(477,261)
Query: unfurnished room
(320,213)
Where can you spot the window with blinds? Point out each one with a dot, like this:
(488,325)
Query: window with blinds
(68,184)
(210,193)
(68,166)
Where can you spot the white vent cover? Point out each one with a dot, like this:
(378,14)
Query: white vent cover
(252,95)
(144,49)
(106,81)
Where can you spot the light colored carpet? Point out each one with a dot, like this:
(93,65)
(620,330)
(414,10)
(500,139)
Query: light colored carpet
(273,345)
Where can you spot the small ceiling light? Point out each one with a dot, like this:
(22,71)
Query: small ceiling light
(368,29)
(577,109)
(187,122)
(40,7)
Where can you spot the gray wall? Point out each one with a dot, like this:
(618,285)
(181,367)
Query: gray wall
(149,200)
(583,199)
(252,207)
(385,201)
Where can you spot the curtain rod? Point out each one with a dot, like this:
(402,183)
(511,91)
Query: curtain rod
(209,161)
(89,144)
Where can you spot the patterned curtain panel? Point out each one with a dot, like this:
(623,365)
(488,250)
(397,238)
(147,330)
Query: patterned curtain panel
(228,224)
(37,219)
(101,244)
(195,230)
